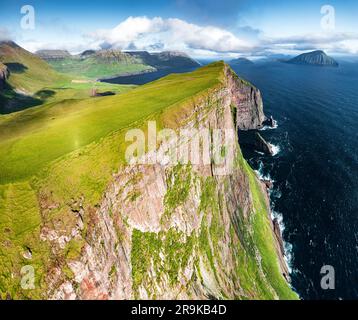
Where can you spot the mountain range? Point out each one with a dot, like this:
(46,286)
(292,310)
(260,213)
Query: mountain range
(111,62)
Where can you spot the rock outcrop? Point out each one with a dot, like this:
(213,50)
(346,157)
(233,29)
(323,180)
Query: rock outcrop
(261,145)
(4,74)
(179,231)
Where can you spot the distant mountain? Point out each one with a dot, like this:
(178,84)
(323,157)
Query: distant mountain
(27,72)
(318,58)
(23,77)
(241,61)
(111,62)
(94,64)
(53,54)
(165,59)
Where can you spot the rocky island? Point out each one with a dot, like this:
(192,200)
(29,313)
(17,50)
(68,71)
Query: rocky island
(316,58)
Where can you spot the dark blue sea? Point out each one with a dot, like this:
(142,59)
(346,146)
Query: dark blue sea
(315,170)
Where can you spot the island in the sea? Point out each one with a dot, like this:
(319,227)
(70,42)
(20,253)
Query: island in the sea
(317,58)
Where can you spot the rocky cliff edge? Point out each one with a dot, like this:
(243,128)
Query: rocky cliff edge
(183,231)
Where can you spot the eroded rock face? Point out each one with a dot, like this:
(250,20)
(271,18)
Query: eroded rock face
(175,232)
(4,74)
(248,103)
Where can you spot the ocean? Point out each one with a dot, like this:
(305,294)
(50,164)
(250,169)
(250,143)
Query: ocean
(314,169)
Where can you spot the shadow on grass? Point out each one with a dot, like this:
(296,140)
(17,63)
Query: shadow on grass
(11,101)
(45,94)
(15,67)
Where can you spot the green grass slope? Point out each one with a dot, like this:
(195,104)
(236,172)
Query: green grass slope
(28,72)
(33,81)
(32,136)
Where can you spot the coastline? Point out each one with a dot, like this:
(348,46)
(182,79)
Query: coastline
(277,234)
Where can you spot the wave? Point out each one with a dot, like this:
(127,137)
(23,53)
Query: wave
(262,176)
(275,193)
(275,149)
(288,248)
(265,127)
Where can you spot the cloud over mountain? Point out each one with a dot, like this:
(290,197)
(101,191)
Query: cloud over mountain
(145,33)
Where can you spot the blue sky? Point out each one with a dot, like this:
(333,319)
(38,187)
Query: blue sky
(200,28)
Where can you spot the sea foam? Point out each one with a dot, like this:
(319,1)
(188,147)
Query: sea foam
(275,149)
(275,126)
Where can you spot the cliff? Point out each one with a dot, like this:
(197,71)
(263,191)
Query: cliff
(94,227)
(247,103)
(179,231)
(317,58)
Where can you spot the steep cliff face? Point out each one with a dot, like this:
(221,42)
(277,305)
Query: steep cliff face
(248,103)
(4,74)
(179,231)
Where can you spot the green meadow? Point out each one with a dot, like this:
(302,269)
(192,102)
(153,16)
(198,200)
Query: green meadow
(94,69)
(32,138)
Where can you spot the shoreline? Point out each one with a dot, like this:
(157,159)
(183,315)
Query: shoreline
(277,234)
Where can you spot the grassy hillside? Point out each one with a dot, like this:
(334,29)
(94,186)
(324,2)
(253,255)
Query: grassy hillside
(68,150)
(102,64)
(33,82)
(29,73)
(32,136)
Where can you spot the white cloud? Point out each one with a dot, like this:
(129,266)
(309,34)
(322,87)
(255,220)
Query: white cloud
(333,42)
(170,34)
(159,34)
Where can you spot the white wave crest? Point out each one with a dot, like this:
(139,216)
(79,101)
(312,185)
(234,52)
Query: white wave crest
(275,126)
(261,175)
(287,246)
(275,149)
